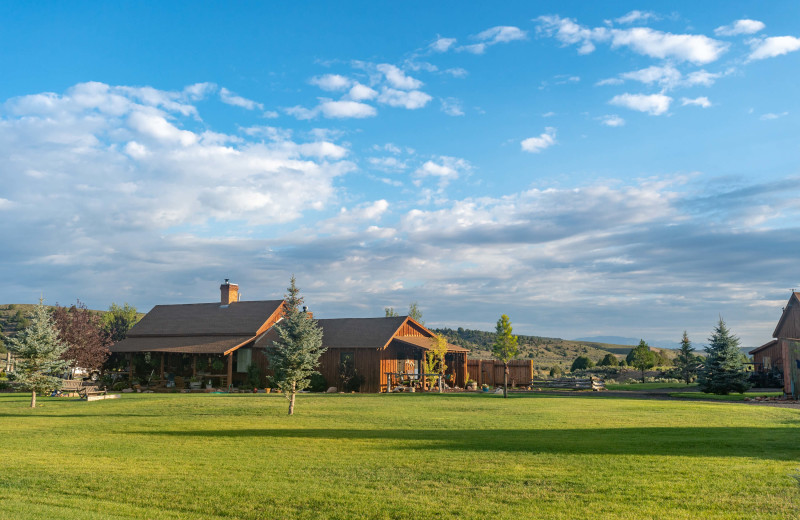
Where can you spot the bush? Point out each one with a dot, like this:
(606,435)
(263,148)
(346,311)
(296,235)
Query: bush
(581,363)
(318,383)
(119,385)
(253,375)
(609,361)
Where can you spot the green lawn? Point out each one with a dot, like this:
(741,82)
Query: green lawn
(730,397)
(403,456)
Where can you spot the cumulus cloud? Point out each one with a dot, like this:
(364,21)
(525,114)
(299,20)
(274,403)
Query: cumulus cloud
(695,48)
(699,101)
(410,100)
(636,16)
(612,120)
(452,107)
(331,82)
(230,98)
(744,26)
(541,142)
(444,168)
(666,76)
(442,44)
(771,47)
(334,110)
(770,116)
(653,104)
(397,78)
(360,92)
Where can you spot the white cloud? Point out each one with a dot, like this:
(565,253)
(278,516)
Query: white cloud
(270,114)
(346,109)
(388,163)
(666,76)
(230,98)
(699,101)
(540,143)
(445,168)
(361,92)
(700,77)
(452,107)
(745,26)
(770,116)
(771,47)
(400,98)
(199,91)
(636,16)
(5,204)
(653,104)
(331,82)
(694,48)
(493,36)
(397,78)
(457,72)
(443,44)
(612,120)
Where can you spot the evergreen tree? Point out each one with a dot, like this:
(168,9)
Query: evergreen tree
(610,360)
(641,357)
(38,351)
(295,356)
(686,361)
(505,347)
(723,371)
(581,363)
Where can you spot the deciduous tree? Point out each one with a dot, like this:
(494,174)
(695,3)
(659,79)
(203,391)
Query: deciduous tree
(83,331)
(119,320)
(434,358)
(415,313)
(723,371)
(641,358)
(610,360)
(295,356)
(505,347)
(38,351)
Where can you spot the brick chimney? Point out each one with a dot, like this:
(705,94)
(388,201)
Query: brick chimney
(229,293)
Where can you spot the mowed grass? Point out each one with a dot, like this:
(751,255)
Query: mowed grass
(643,387)
(170,456)
(729,397)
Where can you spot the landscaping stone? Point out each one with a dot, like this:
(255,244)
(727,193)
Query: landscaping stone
(331,390)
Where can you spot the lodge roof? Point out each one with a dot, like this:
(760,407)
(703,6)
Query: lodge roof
(425,343)
(765,346)
(205,319)
(359,332)
(181,344)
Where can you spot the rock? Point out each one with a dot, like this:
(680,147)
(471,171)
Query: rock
(498,391)
(127,390)
(331,390)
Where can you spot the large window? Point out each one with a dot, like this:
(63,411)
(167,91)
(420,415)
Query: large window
(244,356)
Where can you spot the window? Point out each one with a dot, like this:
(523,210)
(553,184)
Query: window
(244,357)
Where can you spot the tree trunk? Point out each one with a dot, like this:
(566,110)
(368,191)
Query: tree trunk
(642,375)
(291,399)
(505,380)
(33,399)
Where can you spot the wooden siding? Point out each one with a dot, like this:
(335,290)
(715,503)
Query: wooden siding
(367,362)
(490,371)
(768,359)
(789,326)
(410,328)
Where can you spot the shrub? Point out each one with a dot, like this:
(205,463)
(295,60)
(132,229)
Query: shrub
(119,385)
(581,363)
(318,383)
(253,375)
(610,360)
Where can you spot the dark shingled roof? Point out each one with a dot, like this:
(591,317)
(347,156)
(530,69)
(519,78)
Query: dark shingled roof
(359,332)
(180,344)
(205,319)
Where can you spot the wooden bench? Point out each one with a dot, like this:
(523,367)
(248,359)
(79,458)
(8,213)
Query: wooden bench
(70,387)
(88,391)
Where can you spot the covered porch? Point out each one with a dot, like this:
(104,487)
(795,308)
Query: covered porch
(403,364)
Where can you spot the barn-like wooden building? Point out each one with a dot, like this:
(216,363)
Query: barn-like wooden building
(217,342)
(782,354)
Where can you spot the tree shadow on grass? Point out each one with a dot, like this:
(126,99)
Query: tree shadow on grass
(764,443)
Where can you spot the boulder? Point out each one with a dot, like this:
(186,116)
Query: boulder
(127,390)
(331,390)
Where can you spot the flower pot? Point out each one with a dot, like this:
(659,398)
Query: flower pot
(267,390)
(485,389)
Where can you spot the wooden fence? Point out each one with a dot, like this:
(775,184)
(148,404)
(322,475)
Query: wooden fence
(490,372)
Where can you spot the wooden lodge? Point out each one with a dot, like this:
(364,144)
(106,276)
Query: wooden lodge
(217,342)
(783,352)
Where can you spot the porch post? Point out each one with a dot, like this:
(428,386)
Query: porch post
(161,373)
(130,367)
(194,365)
(230,369)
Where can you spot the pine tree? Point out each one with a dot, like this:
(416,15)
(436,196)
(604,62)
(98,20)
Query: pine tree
(295,356)
(38,351)
(723,371)
(505,347)
(686,360)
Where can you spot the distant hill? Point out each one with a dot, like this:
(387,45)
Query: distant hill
(545,352)
(620,340)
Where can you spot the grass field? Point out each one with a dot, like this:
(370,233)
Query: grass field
(643,387)
(396,456)
(730,397)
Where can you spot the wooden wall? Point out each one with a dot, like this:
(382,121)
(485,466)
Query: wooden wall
(490,371)
(768,359)
(411,329)
(790,328)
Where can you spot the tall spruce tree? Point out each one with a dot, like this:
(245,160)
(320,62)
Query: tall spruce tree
(505,347)
(38,350)
(686,360)
(295,356)
(723,371)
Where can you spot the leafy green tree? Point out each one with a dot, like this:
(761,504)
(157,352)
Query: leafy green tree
(295,356)
(119,320)
(641,358)
(723,371)
(434,358)
(38,351)
(505,347)
(581,363)
(610,360)
(686,361)
(415,313)
(390,312)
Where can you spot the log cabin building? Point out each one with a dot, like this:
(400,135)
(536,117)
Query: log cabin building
(783,352)
(217,342)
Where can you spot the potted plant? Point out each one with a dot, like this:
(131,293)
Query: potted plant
(485,388)
(217,365)
(472,385)
(194,383)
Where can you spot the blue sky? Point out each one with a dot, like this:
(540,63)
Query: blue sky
(585,168)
